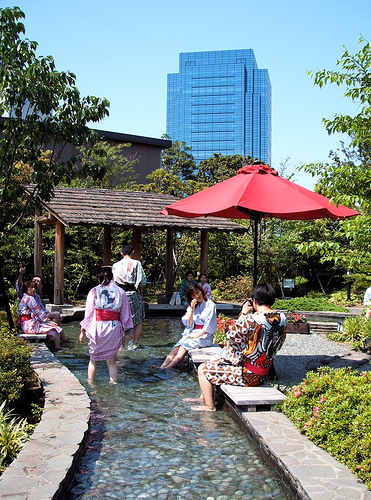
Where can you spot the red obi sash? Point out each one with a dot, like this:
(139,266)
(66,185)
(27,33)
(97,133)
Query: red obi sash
(24,317)
(106,315)
(256,369)
(198,327)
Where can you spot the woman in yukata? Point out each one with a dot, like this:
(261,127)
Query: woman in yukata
(107,316)
(200,323)
(252,344)
(205,285)
(33,319)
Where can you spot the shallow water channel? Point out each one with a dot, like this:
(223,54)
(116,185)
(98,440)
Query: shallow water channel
(145,442)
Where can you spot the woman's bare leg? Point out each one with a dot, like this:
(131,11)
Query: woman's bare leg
(112,370)
(207,391)
(92,370)
(178,358)
(57,341)
(169,358)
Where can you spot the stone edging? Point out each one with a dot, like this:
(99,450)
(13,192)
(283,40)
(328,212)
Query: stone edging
(45,467)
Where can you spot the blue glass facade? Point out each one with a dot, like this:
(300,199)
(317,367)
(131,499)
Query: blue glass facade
(220,102)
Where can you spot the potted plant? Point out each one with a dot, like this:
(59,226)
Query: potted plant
(297,323)
(223,324)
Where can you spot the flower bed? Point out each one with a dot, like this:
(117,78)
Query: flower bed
(297,323)
(223,324)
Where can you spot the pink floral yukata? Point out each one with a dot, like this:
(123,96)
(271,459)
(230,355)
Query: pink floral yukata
(252,343)
(207,289)
(107,316)
(33,319)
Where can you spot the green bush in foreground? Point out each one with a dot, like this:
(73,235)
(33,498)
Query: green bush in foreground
(333,409)
(354,330)
(15,368)
(14,432)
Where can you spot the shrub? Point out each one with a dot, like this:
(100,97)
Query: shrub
(234,288)
(354,330)
(307,304)
(15,368)
(333,409)
(13,434)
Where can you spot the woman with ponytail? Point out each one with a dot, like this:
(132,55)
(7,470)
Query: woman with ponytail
(107,316)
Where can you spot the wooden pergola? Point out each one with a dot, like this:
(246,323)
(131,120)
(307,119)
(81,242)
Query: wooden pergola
(139,211)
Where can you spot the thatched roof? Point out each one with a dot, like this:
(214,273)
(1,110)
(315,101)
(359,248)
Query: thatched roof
(126,209)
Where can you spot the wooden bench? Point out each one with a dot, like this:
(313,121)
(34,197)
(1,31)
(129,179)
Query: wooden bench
(262,397)
(198,356)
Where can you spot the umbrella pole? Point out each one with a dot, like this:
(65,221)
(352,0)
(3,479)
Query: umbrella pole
(256,229)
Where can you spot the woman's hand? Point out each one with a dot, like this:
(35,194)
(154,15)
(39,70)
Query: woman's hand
(194,304)
(196,335)
(82,335)
(247,308)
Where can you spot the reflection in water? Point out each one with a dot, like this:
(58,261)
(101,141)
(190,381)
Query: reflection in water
(146,443)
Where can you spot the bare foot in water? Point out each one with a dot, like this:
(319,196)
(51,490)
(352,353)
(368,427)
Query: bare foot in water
(202,408)
(158,367)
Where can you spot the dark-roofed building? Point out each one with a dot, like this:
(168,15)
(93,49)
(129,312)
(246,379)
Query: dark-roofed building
(105,208)
(146,150)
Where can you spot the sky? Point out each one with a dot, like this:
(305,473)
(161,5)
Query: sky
(123,50)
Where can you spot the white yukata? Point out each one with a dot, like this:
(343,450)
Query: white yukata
(107,316)
(204,317)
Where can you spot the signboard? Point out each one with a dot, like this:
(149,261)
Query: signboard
(289,283)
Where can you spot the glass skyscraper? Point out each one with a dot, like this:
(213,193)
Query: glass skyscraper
(220,102)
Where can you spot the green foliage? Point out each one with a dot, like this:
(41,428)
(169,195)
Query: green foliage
(235,288)
(218,168)
(178,160)
(354,330)
(307,304)
(341,297)
(46,113)
(14,433)
(333,408)
(110,158)
(355,75)
(15,368)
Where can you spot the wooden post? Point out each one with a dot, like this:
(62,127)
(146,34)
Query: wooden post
(107,250)
(59,264)
(137,243)
(38,248)
(169,265)
(204,251)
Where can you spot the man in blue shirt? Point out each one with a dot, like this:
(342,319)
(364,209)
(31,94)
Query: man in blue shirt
(183,287)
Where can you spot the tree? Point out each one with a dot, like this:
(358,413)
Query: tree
(356,76)
(218,168)
(120,173)
(45,112)
(178,160)
(346,178)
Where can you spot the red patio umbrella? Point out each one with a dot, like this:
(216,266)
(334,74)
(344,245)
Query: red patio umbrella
(256,192)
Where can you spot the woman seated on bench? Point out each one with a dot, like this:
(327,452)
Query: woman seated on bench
(200,323)
(252,343)
(33,319)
